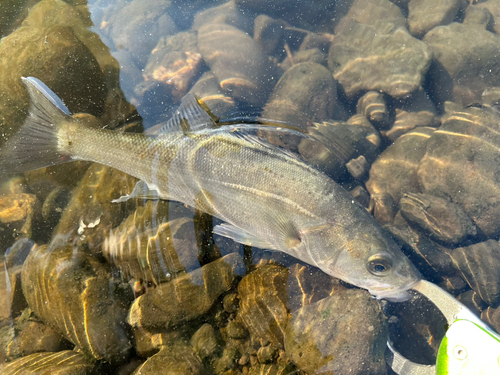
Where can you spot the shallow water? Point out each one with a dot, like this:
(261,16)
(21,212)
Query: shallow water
(396,101)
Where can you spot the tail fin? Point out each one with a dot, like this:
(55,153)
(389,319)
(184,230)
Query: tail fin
(36,144)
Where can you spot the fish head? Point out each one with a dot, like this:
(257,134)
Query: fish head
(368,259)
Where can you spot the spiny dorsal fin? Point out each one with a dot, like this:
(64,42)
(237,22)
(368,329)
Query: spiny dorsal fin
(191,116)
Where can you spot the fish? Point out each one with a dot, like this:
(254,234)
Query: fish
(265,196)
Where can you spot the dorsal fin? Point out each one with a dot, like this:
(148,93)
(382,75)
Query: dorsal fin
(191,116)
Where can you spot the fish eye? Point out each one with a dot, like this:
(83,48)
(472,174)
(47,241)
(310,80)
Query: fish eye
(379,265)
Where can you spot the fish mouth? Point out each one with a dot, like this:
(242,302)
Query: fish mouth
(394,295)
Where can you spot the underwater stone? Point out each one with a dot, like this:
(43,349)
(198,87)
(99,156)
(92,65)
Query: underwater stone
(477,15)
(207,88)
(188,296)
(17,215)
(399,159)
(418,110)
(461,164)
(180,359)
(137,27)
(263,303)
(466,63)
(306,92)
(440,219)
(204,342)
(313,55)
(172,67)
(372,105)
(388,59)
(268,32)
(90,214)
(376,13)
(228,14)
(344,333)
(152,252)
(46,53)
(331,145)
(65,362)
(243,70)
(72,292)
(424,15)
(307,285)
(427,256)
(479,264)
(27,337)
(492,7)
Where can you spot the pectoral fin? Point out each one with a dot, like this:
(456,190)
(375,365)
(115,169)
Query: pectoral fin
(141,191)
(240,236)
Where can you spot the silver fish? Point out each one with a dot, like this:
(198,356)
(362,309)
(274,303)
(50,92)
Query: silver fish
(267,197)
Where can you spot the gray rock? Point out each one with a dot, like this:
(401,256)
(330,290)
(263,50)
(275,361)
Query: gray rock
(427,256)
(238,62)
(137,28)
(466,62)
(477,15)
(372,105)
(416,111)
(461,164)
(479,264)
(344,333)
(440,219)
(493,8)
(376,13)
(400,159)
(386,58)
(227,13)
(306,92)
(424,15)
(172,67)
(332,144)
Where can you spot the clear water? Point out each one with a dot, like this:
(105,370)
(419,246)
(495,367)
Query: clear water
(347,85)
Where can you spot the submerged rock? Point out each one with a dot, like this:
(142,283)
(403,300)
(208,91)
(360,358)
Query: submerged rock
(177,360)
(344,333)
(400,159)
(479,264)
(152,252)
(172,67)
(465,62)
(461,164)
(373,106)
(424,15)
(45,53)
(238,62)
(58,363)
(306,92)
(439,218)
(27,336)
(333,144)
(263,303)
(187,297)
(387,59)
(73,293)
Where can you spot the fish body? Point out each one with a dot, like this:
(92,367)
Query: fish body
(266,197)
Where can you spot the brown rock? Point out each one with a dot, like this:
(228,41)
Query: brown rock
(187,297)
